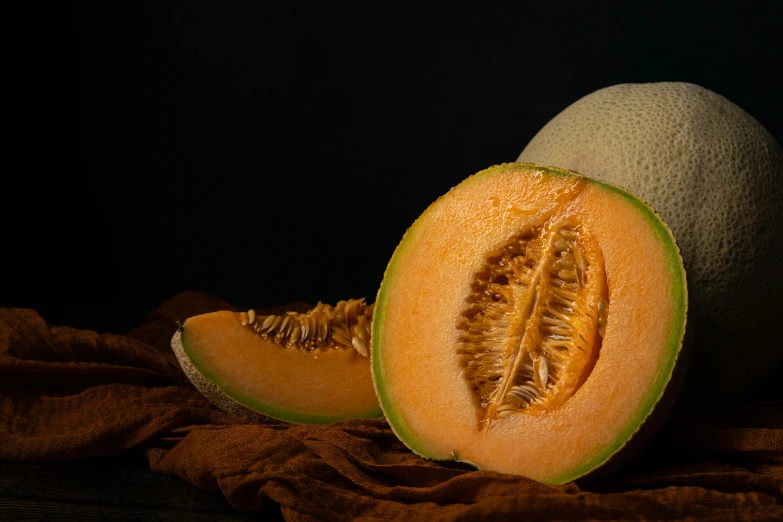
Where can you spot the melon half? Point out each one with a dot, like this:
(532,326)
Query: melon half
(531,322)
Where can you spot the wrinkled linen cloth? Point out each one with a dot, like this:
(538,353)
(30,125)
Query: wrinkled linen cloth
(68,394)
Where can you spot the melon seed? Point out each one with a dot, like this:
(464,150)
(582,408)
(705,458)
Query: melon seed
(360,346)
(311,326)
(581,262)
(323,329)
(275,323)
(297,331)
(267,322)
(286,321)
(337,336)
(543,372)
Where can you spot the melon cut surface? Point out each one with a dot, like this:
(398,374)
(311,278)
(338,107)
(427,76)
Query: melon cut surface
(290,367)
(715,176)
(530,322)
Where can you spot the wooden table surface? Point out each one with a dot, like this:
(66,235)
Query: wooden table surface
(117,487)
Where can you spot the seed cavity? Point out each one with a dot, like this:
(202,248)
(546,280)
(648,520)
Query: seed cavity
(527,339)
(345,326)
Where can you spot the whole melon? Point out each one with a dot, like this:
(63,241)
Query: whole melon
(715,176)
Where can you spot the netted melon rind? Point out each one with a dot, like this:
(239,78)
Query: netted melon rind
(715,176)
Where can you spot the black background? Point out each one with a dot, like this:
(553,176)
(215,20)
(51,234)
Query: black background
(269,153)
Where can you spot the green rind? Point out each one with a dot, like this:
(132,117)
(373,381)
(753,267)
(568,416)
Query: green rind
(678,318)
(397,424)
(234,395)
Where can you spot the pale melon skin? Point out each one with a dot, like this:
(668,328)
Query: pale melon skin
(715,176)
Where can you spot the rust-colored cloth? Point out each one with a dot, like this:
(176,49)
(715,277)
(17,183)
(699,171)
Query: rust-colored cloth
(66,394)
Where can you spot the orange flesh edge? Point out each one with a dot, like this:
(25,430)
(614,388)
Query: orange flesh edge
(322,383)
(421,370)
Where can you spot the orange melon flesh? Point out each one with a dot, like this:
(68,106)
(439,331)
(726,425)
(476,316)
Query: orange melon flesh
(414,351)
(288,383)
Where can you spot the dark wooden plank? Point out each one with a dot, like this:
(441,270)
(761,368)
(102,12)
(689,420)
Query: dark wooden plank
(24,510)
(123,482)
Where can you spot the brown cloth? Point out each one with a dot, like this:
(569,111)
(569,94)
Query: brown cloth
(66,394)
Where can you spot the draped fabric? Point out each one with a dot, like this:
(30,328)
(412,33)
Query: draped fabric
(68,394)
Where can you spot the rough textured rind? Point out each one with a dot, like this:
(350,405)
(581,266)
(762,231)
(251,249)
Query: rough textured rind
(715,176)
(214,394)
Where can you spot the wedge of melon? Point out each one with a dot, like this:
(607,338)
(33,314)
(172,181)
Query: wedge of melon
(300,367)
(530,322)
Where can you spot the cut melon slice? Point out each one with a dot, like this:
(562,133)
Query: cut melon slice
(307,368)
(530,322)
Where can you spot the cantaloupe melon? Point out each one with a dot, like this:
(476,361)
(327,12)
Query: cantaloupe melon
(530,322)
(715,175)
(309,367)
